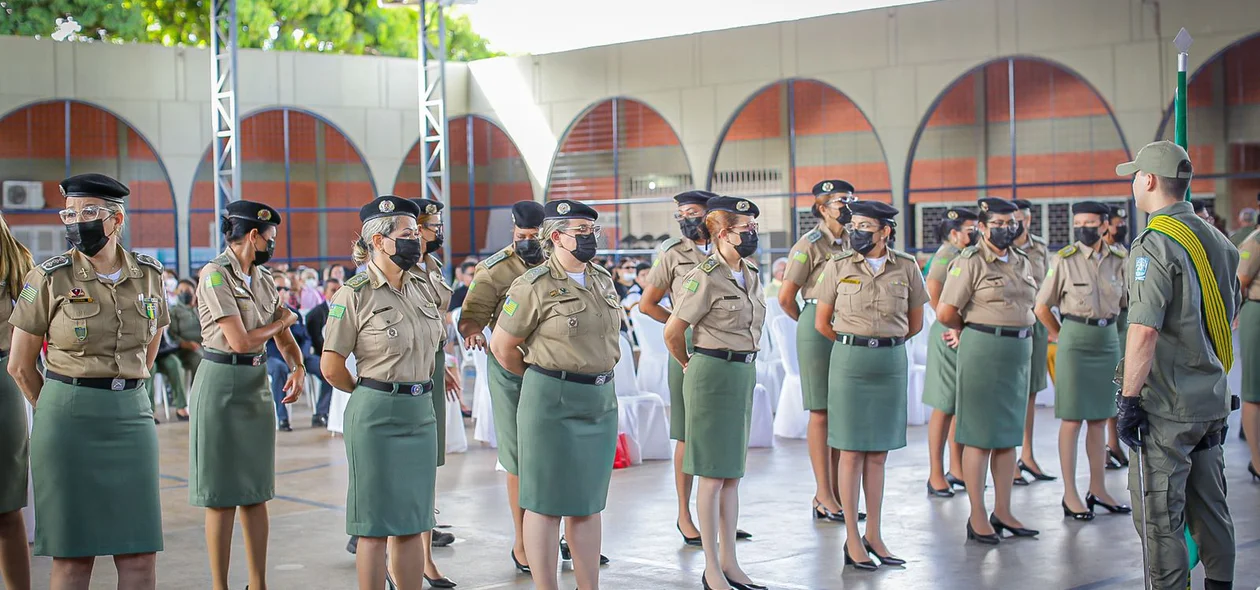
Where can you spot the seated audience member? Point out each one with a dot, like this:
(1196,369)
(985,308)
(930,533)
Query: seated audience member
(309,294)
(636,290)
(463,278)
(276,367)
(316,319)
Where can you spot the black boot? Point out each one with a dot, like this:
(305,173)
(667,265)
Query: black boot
(1210,584)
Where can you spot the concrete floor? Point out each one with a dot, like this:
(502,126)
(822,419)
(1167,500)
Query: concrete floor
(790,550)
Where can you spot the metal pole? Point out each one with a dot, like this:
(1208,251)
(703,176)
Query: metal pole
(224,118)
(1183,42)
(444,157)
(1010,108)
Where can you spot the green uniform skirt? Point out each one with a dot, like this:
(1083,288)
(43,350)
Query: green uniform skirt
(942,364)
(813,352)
(14,447)
(391,448)
(439,402)
(1249,341)
(1084,364)
(94,459)
(1122,325)
(719,397)
(505,396)
(1037,376)
(866,398)
(232,437)
(568,434)
(677,405)
(992,389)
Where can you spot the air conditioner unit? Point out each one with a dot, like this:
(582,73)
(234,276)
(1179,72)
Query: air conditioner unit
(19,194)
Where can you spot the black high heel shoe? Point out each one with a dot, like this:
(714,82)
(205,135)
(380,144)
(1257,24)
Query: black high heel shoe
(883,559)
(442,582)
(1252,470)
(1116,459)
(1037,475)
(868,566)
(1092,501)
(998,525)
(704,582)
(945,492)
(692,541)
(972,535)
(741,535)
(748,586)
(955,482)
(1082,516)
(821,513)
(567,555)
(520,568)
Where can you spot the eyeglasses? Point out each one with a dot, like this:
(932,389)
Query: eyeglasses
(585,230)
(681,216)
(1012,224)
(750,226)
(839,200)
(89,213)
(408,234)
(864,226)
(282,289)
(433,227)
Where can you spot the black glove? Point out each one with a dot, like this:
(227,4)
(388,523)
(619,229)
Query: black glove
(1131,420)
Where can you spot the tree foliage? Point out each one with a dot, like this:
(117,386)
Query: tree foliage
(337,26)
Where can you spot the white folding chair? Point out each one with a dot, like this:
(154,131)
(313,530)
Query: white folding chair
(640,414)
(159,393)
(28,512)
(916,369)
(653,372)
(483,412)
(769,369)
(792,419)
(337,409)
(761,433)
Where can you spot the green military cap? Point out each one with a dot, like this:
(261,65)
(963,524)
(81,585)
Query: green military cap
(1161,158)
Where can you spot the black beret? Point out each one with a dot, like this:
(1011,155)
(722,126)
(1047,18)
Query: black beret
(527,214)
(830,187)
(1198,206)
(256,212)
(96,186)
(996,205)
(873,209)
(569,209)
(386,206)
(1119,211)
(428,206)
(961,214)
(693,198)
(1093,207)
(734,205)
(1022,203)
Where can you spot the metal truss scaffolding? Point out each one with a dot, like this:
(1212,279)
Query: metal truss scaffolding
(225,120)
(434,166)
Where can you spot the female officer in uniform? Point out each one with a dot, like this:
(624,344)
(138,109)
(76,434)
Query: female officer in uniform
(94,453)
(1117,237)
(956,231)
(1249,338)
(385,319)
(1086,282)
(809,256)
(1035,247)
(566,314)
(15,557)
(989,295)
(232,456)
(722,301)
(870,301)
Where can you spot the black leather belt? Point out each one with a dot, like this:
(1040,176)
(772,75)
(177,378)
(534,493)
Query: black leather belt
(728,355)
(1212,440)
(1100,322)
(863,341)
(1003,331)
(255,360)
(582,378)
(107,383)
(398,388)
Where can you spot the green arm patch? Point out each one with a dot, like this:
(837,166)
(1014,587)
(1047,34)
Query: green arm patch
(1244,254)
(336,311)
(954,272)
(510,306)
(692,285)
(216,279)
(471,285)
(28,293)
(800,257)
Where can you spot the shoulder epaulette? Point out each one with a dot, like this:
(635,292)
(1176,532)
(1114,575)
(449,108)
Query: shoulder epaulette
(1038,239)
(1118,251)
(264,269)
(497,258)
(905,255)
(600,268)
(709,264)
(670,243)
(532,275)
(1019,251)
(1067,250)
(813,235)
(222,260)
(969,251)
(147,260)
(841,255)
(54,263)
(752,265)
(356,282)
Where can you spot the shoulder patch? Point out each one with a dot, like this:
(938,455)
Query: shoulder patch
(1067,251)
(147,260)
(356,282)
(905,255)
(497,258)
(709,264)
(532,275)
(54,263)
(670,243)
(813,235)
(969,251)
(1118,251)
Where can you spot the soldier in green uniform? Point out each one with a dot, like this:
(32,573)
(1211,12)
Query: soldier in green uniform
(93,448)
(805,264)
(566,316)
(1249,338)
(385,319)
(722,300)
(1038,256)
(989,296)
(870,300)
(185,332)
(232,435)
(486,294)
(1174,401)
(1117,237)
(956,231)
(15,556)
(1086,283)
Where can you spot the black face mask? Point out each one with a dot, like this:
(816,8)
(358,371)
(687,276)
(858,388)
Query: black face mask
(845,216)
(264,256)
(87,237)
(586,248)
(1003,237)
(690,227)
(406,253)
(1019,230)
(529,250)
(747,244)
(432,246)
(185,298)
(973,237)
(1121,233)
(1086,235)
(862,241)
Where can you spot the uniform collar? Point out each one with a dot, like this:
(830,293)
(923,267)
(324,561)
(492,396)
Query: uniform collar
(558,272)
(831,238)
(1178,207)
(378,279)
(989,253)
(235,265)
(84,272)
(1105,250)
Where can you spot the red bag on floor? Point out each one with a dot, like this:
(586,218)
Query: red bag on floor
(622,459)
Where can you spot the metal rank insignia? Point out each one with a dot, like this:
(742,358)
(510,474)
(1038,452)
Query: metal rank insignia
(741,206)
(573,322)
(827,186)
(392,333)
(430,209)
(562,208)
(386,206)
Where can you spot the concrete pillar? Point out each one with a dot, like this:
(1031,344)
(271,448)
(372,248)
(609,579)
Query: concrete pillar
(321,186)
(982,119)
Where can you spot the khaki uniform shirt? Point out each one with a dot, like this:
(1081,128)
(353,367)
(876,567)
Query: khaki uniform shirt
(393,334)
(1084,284)
(566,327)
(1249,263)
(810,255)
(988,291)
(94,328)
(870,304)
(185,327)
(723,316)
(674,259)
(222,292)
(434,284)
(489,286)
(1187,380)
(1038,253)
(6,310)
(940,262)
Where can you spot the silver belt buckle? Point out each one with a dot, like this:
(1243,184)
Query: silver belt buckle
(1023,333)
(118,384)
(258,359)
(750,357)
(872,343)
(417,389)
(1102,323)
(601,379)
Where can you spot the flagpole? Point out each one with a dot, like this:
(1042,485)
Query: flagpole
(1183,42)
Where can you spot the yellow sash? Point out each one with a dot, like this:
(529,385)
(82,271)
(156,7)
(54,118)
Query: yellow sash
(1213,304)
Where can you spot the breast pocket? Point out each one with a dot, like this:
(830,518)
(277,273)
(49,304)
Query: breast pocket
(566,320)
(731,311)
(70,327)
(387,331)
(992,290)
(144,322)
(896,299)
(1082,295)
(849,293)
